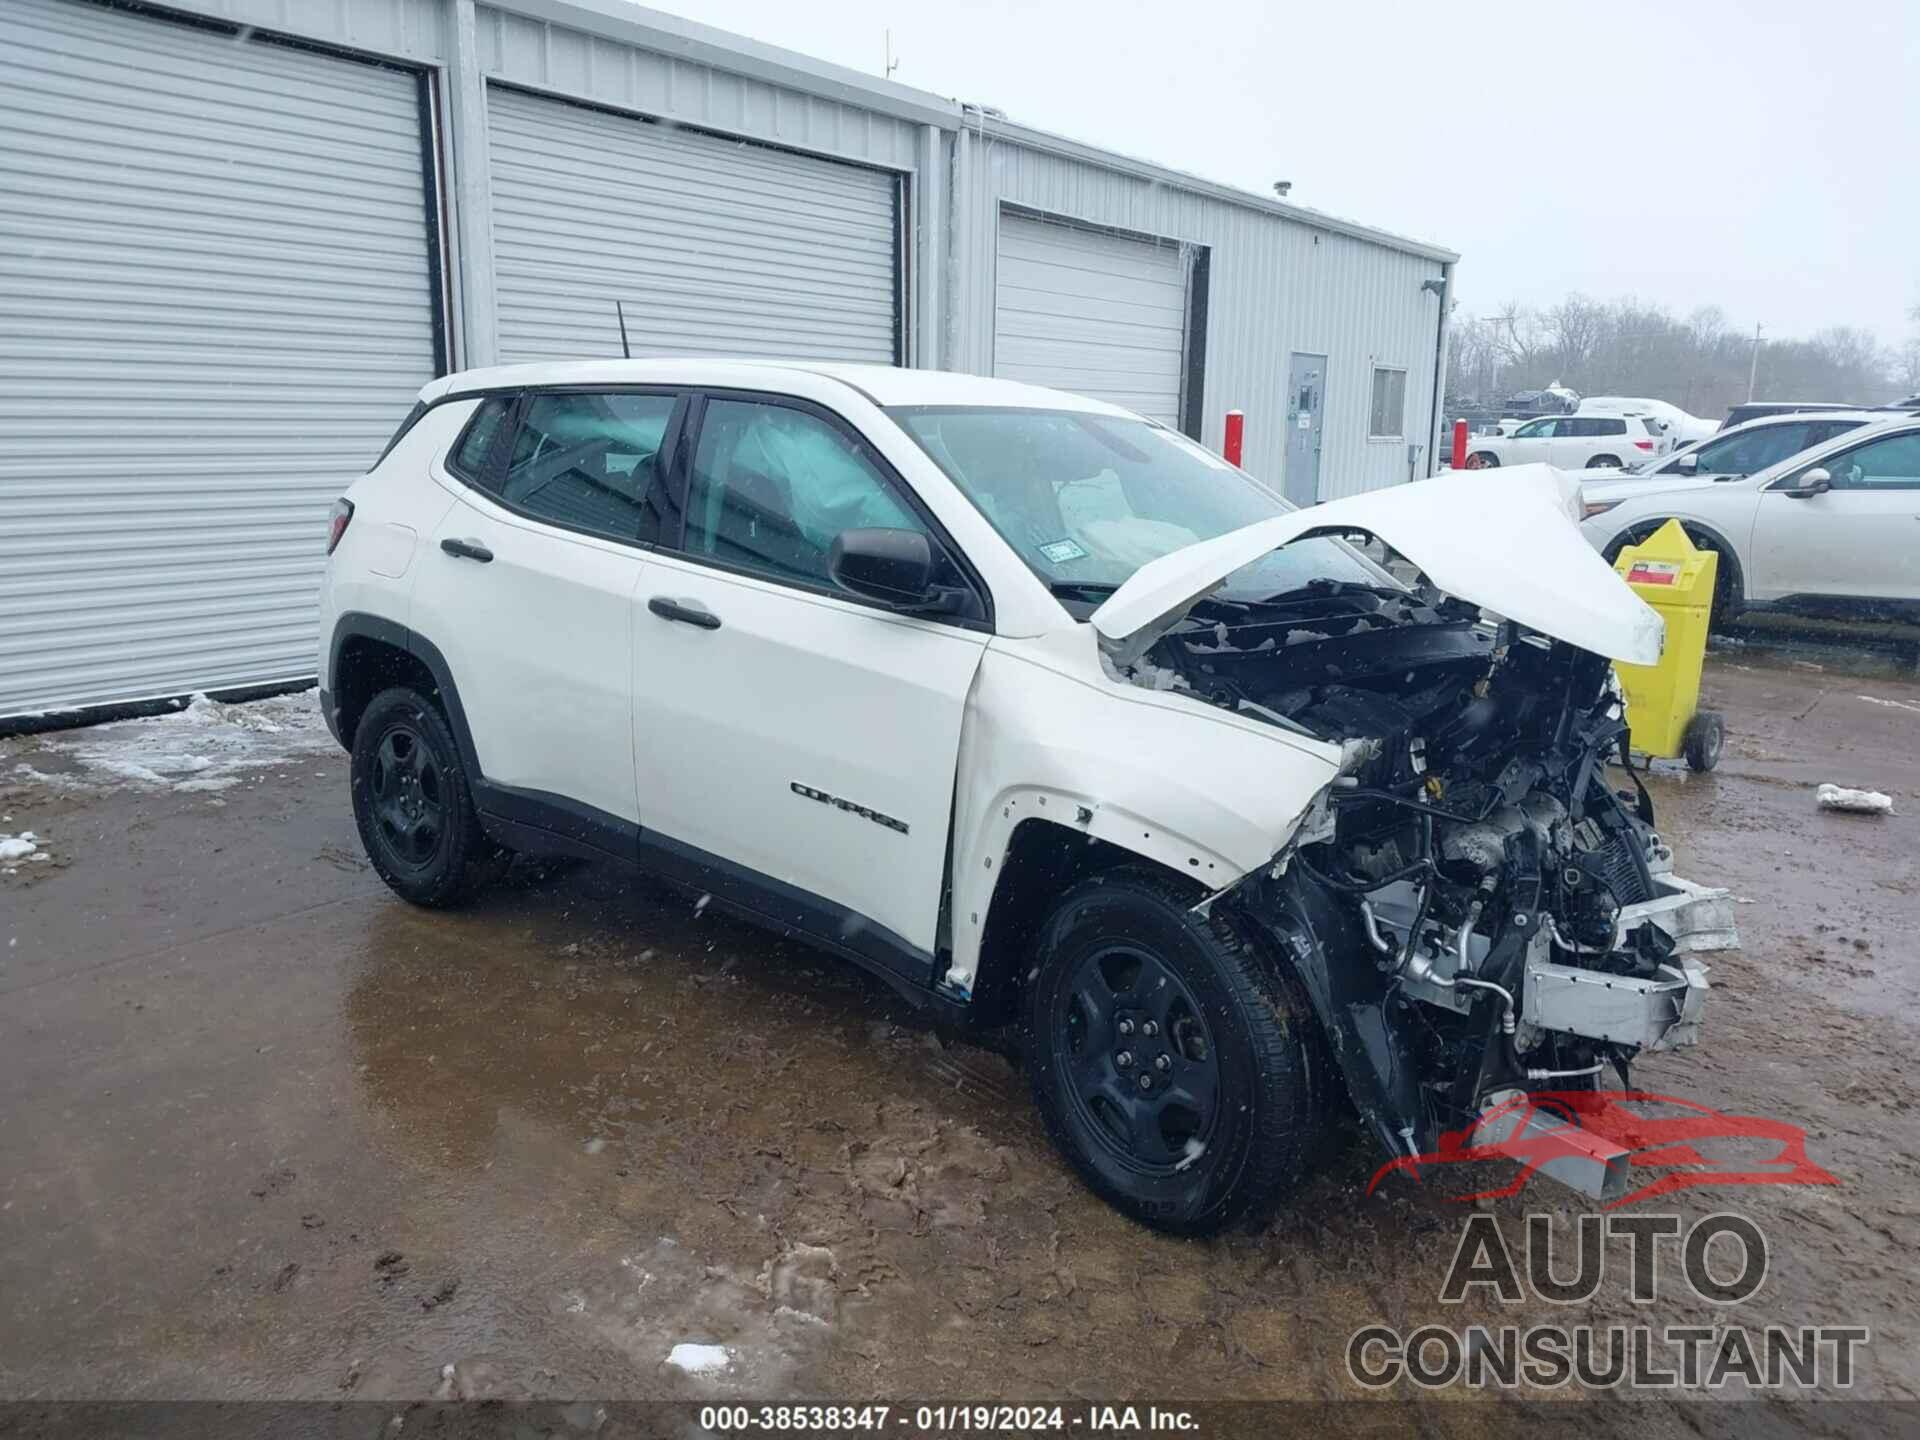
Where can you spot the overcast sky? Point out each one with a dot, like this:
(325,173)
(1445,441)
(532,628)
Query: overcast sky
(1761,156)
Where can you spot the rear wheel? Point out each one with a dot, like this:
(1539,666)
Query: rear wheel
(1172,1069)
(411,802)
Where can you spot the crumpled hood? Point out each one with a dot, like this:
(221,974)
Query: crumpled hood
(1507,540)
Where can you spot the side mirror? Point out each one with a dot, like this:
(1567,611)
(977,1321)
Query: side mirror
(894,567)
(1687,464)
(1813,482)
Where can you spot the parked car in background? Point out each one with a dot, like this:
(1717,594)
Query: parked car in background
(1737,453)
(1682,428)
(1754,409)
(1573,442)
(1834,524)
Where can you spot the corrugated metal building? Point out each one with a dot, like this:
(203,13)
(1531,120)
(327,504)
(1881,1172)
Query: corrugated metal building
(236,235)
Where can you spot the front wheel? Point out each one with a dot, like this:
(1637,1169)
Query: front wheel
(1171,1067)
(1604,462)
(1483,460)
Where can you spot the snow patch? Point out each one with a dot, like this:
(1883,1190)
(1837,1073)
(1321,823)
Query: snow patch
(1862,802)
(1891,704)
(205,746)
(698,1359)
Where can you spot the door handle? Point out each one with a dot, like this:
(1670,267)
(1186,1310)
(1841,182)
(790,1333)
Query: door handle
(467,550)
(695,614)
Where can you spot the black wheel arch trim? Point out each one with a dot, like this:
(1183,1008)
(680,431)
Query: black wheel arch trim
(541,822)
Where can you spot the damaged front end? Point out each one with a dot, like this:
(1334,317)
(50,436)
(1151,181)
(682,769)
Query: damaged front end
(1475,906)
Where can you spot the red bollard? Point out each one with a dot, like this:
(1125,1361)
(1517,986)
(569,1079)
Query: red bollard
(1459,444)
(1236,436)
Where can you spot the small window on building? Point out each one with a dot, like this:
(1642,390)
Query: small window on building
(1389,420)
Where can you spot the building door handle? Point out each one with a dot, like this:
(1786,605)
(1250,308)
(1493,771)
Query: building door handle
(697,615)
(467,550)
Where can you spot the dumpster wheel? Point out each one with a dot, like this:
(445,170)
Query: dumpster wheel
(1705,738)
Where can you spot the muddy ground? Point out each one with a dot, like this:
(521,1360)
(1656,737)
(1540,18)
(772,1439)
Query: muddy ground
(265,1131)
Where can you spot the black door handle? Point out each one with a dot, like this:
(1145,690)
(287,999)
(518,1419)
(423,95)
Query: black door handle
(686,614)
(466,549)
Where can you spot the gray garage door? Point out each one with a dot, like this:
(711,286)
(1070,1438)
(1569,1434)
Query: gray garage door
(215,305)
(715,247)
(1098,314)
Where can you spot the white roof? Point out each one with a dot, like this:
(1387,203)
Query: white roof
(884,385)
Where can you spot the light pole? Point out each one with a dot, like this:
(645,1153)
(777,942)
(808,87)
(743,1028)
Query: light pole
(1753,370)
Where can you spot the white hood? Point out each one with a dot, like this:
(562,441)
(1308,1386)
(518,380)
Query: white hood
(1505,539)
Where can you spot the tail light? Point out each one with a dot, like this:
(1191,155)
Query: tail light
(337,523)
(1643,444)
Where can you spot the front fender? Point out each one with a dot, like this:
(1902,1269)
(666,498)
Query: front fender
(1205,794)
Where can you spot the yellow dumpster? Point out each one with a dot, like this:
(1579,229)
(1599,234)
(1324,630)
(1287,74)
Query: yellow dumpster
(1676,578)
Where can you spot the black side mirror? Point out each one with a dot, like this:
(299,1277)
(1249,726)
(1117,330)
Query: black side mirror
(894,567)
(1813,482)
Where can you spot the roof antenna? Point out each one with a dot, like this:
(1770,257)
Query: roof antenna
(625,349)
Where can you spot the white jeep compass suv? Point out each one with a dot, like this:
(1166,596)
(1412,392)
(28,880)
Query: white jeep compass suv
(1045,715)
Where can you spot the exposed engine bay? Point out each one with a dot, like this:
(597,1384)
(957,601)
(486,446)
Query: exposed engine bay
(1477,908)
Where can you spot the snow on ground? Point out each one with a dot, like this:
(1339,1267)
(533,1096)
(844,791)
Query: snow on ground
(205,746)
(698,1359)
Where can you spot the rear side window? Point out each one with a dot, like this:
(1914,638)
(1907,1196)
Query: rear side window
(1607,427)
(474,451)
(589,462)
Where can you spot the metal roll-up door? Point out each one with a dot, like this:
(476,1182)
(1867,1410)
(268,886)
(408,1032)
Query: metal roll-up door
(216,302)
(714,247)
(1091,312)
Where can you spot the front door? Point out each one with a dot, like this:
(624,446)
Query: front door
(796,746)
(1306,402)
(1860,539)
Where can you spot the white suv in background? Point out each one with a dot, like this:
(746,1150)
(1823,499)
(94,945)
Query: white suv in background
(1573,442)
(1681,427)
(1043,714)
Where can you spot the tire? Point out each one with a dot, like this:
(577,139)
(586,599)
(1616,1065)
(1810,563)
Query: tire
(1130,983)
(412,803)
(1483,460)
(1604,462)
(1705,738)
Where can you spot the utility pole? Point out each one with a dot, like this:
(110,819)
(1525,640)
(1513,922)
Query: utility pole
(891,63)
(1753,370)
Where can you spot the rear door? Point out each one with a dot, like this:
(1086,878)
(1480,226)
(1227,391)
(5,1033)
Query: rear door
(1531,443)
(527,589)
(1861,539)
(796,745)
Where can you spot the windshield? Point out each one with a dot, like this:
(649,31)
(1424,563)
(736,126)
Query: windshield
(1087,500)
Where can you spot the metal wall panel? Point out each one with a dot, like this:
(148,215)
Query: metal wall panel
(1091,312)
(413,30)
(1276,284)
(539,55)
(215,305)
(715,247)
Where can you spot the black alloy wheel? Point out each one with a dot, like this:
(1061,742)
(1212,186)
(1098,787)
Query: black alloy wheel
(1177,1068)
(408,786)
(1144,1071)
(412,804)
